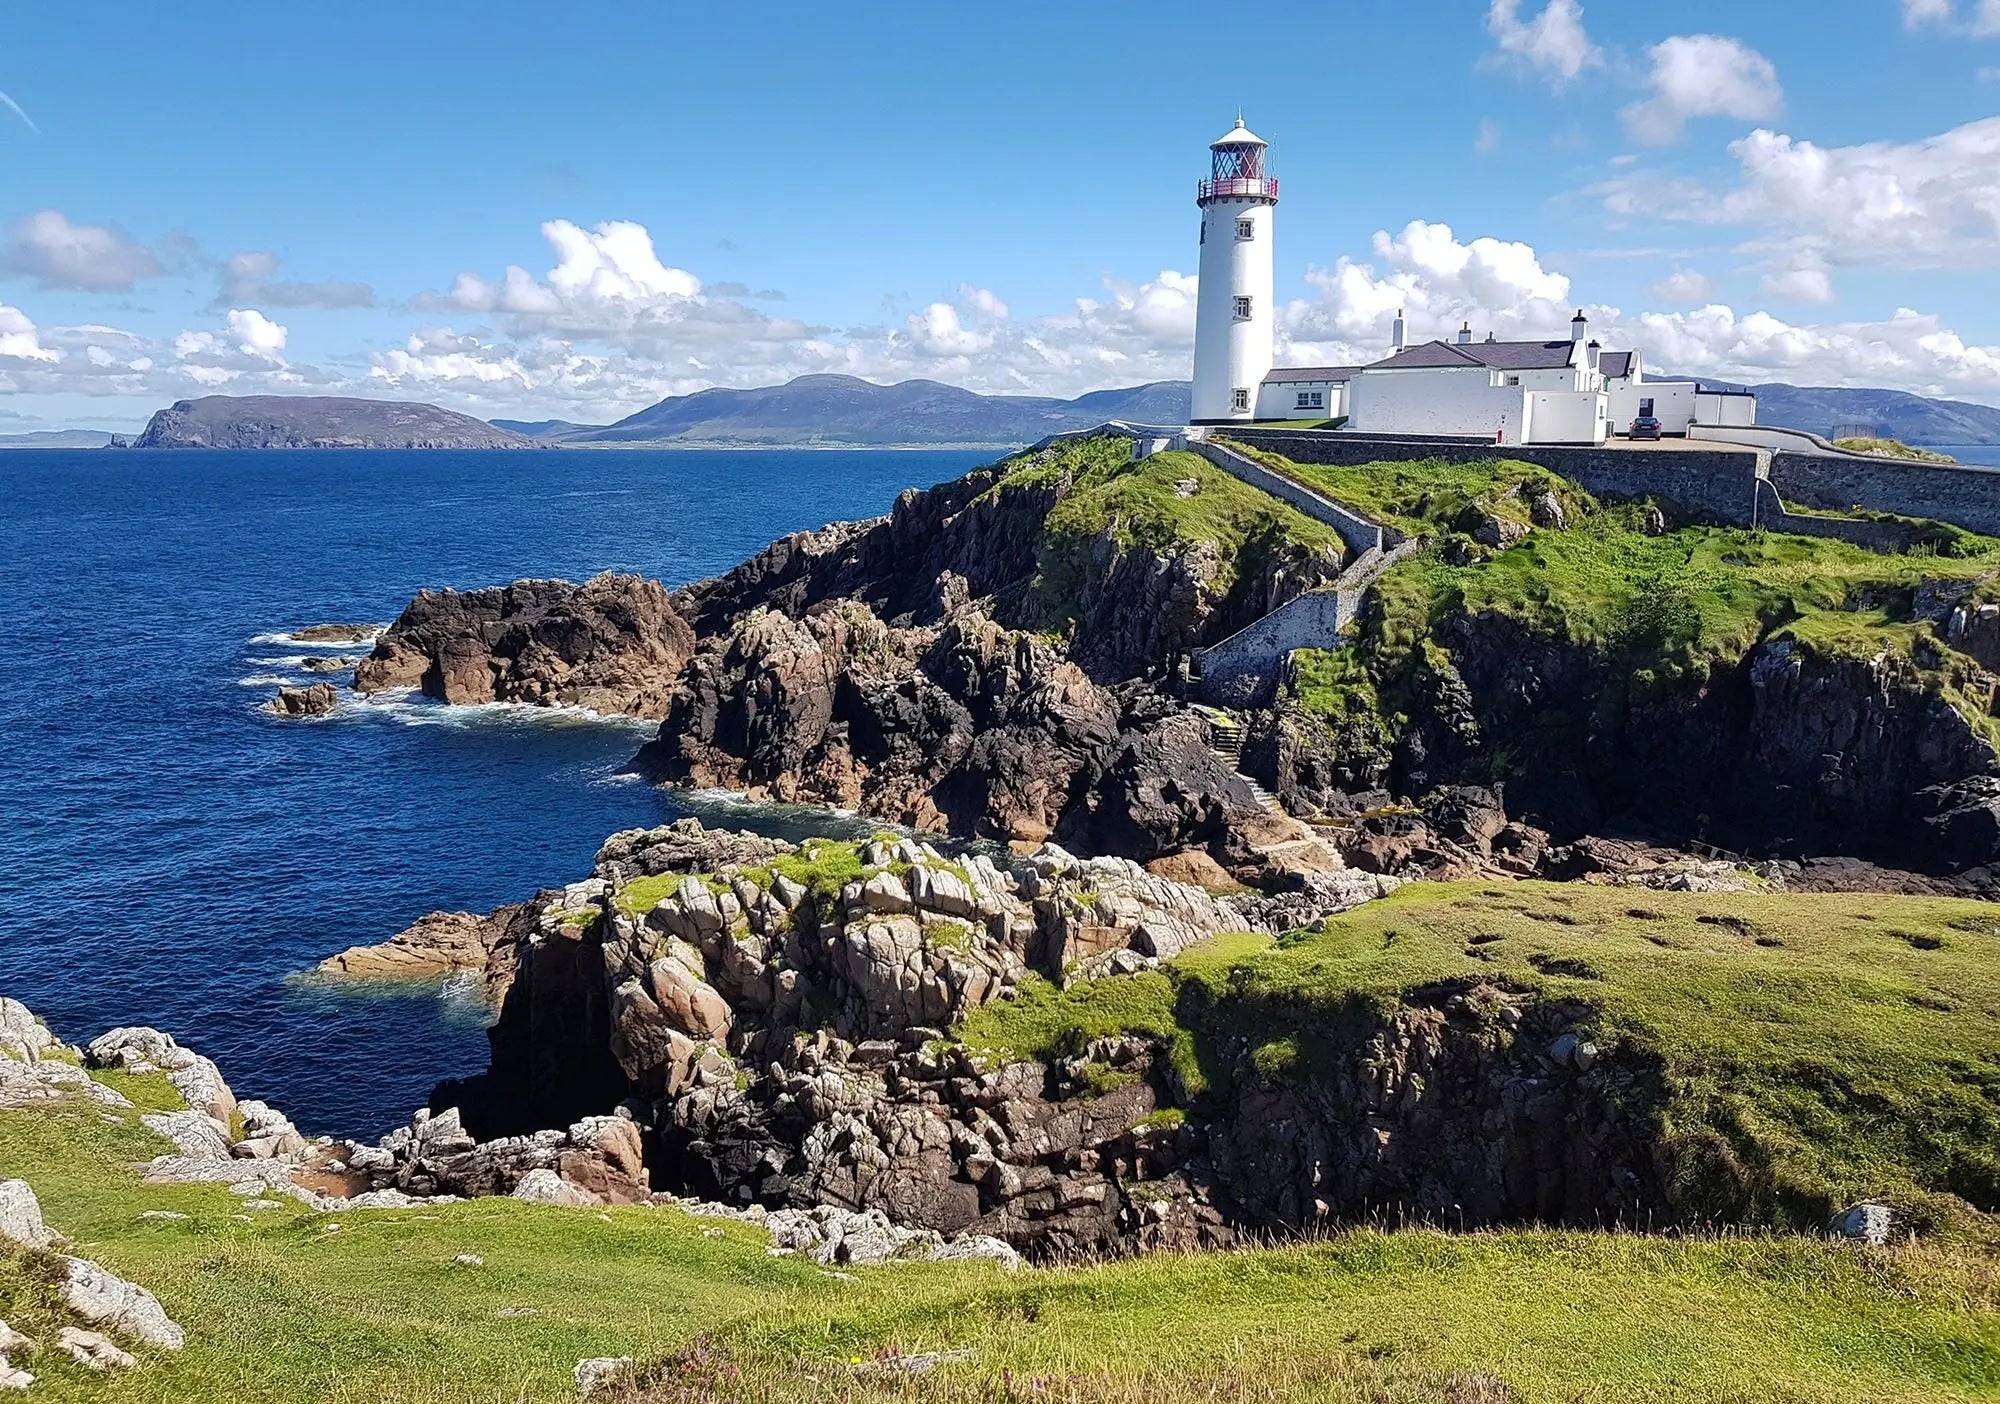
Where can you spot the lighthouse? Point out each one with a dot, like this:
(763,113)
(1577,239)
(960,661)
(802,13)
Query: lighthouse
(1233,311)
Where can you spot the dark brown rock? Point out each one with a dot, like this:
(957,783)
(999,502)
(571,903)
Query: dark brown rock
(314,701)
(613,644)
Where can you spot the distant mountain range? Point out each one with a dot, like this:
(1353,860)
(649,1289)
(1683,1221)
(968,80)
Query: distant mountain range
(836,410)
(1894,414)
(840,409)
(59,439)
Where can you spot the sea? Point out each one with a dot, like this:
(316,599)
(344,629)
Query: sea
(171,855)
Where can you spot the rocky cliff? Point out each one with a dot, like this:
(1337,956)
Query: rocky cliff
(613,644)
(787,1025)
(318,421)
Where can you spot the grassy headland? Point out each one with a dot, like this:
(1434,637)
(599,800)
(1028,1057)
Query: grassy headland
(284,1305)
(1791,1054)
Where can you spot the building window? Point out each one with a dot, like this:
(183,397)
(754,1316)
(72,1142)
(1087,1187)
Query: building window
(1245,229)
(1242,305)
(1513,380)
(1311,399)
(1239,399)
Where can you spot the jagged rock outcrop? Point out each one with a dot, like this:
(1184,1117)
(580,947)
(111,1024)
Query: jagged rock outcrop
(316,700)
(779,1027)
(1787,752)
(613,644)
(967,726)
(440,943)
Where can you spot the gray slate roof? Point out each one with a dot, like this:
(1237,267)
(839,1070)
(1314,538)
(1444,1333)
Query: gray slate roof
(1494,355)
(1285,375)
(1615,363)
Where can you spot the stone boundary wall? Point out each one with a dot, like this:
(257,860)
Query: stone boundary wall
(1358,533)
(1715,484)
(1965,497)
(1238,671)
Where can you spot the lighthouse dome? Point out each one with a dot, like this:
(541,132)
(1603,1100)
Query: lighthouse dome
(1238,135)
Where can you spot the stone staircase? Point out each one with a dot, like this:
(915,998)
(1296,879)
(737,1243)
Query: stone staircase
(1225,738)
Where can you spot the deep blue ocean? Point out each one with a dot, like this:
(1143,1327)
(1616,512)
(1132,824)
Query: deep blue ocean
(171,856)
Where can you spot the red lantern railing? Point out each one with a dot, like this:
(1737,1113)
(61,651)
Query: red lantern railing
(1254,187)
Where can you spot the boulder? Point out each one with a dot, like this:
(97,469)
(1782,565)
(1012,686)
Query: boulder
(1864,1223)
(547,1187)
(93,1350)
(600,1372)
(315,700)
(105,1299)
(21,1216)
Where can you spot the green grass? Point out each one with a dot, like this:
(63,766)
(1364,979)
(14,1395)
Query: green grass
(1801,1052)
(1136,505)
(1425,496)
(1660,608)
(282,1307)
(1892,448)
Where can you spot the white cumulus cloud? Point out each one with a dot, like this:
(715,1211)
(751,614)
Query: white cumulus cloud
(1702,75)
(1804,278)
(1553,41)
(1684,285)
(1981,18)
(18,338)
(1924,203)
(86,257)
(256,335)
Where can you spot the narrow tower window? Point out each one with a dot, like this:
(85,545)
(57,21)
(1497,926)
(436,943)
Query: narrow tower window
(1239,398)
(1242,308)
(1245,229)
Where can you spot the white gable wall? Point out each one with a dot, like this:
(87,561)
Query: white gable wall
(1450,401)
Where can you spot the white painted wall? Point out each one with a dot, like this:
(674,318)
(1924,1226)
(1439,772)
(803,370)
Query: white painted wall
(1279,399)
(1734,410)
(1566,416)
(1673,403)
(1450,401)
(1232,353)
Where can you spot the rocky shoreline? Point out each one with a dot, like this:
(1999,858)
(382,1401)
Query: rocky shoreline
(794,1027)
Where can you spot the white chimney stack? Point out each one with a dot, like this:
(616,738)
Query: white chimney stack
(1579,326)
(1465,333)
(1398,333)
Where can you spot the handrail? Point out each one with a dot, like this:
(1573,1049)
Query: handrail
(1255,187)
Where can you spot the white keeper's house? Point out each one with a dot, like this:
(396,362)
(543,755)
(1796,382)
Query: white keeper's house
(1560,391)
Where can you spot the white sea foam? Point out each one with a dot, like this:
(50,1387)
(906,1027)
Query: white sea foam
(409,706)
(334,645)
(265,680)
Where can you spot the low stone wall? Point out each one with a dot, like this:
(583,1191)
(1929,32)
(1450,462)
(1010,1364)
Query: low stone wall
(1715,484)
(1358,533)
(1886,537)
(1966,497)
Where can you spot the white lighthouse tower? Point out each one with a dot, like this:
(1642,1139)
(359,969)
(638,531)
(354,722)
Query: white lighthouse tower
(1233,313)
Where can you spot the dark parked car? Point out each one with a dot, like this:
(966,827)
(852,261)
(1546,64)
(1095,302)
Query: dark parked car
(1645,427)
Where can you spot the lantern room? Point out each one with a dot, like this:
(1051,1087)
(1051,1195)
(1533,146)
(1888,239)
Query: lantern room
(1237,168)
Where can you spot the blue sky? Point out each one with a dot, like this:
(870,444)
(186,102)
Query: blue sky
(285,199)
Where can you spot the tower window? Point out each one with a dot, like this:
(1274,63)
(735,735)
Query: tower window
(1239,399)
(1245,229)
(1242,305)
